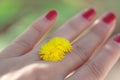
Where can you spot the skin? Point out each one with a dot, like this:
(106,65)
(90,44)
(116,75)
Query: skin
(20,60)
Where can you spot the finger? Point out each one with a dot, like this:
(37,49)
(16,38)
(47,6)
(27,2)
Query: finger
(31,36)
(84,47)
(70,30)
(99,66)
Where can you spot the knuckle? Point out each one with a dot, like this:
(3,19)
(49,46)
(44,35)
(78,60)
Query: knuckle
(98,31)
(72,25)
(95,35)
(23,43)
(80,52)
(37,28)
(95,70)
(110,50)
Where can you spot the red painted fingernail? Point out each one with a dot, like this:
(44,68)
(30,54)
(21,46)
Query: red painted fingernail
(89,14)
(109,18)
(117,38)
(51,14)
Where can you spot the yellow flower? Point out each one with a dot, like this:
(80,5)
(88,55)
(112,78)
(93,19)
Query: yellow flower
(55,49)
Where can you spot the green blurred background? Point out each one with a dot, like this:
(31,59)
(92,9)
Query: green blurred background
(17,15)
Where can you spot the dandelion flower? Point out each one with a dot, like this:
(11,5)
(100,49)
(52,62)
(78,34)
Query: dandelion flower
(55,49)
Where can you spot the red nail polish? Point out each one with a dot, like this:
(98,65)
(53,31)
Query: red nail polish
(117,38)
(89,14)
(51,14)
(109,18)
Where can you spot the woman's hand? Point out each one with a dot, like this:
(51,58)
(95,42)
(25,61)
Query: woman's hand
(89,59)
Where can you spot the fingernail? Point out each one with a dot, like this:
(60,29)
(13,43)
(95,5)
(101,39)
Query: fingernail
(89,14)
(51,14)
(109,18)
(117,38)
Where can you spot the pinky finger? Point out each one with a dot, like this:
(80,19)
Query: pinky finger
(100,64)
